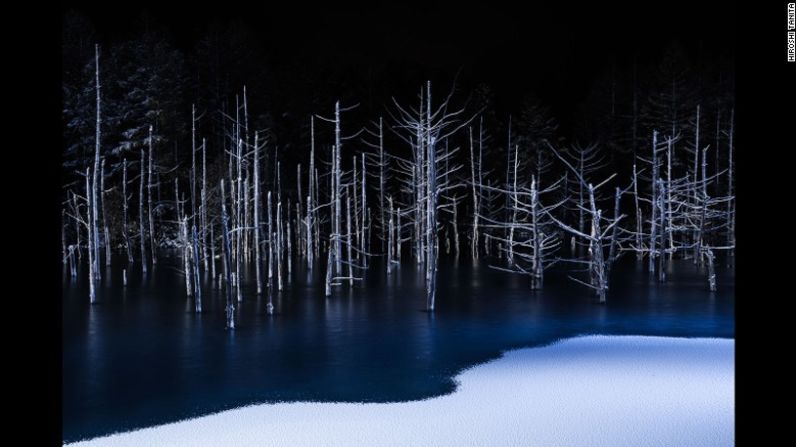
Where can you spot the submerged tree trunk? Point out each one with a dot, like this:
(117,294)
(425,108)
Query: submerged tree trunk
(711,271)
(97,171)
(106,235)
(141,226)
(230,307)
(196,281)
(204,211)
(639,219)
(257,260)
(186,256)
(474,243)
(91,253)
(125,235)
(152,242)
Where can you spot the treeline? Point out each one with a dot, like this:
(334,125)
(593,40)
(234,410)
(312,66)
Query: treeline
(157,161)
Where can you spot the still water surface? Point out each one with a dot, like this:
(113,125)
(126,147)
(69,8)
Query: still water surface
(141,356)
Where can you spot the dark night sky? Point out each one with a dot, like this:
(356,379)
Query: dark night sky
(554,50)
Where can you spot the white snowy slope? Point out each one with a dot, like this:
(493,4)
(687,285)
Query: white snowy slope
(586,391)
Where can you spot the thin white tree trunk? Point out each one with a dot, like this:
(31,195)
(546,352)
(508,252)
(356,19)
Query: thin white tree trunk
(474,244)
(91,253)
(96,172)
(196,281)
(279,245)
(257,259)
(125,223)
(186,255)
(337,188)
(153,247)
(639,218)
(203,239)
(106,238)
(141,226)
(348,237)
(270,241)
(230,304)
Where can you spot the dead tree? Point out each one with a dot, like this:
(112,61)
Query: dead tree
(257,260)
(92,239)
(586,161)
(598,237)
(125,234)
(533,237)
(424,130)
(230,306)
(186,254)
(97,171)
(150,185)
(141,226)
(106,239)
(196,281)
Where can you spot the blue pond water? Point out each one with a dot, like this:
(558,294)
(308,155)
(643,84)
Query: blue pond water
(141,356)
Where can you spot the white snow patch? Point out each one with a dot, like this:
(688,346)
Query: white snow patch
(585,391)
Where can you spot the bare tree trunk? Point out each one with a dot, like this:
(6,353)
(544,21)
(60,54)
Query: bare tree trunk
(279,245)
(309,232)
(695,193)
(455,226)
(289,253)
(398,233)
(639,217)
(125,234)
(476,212)
(514,206)
(257,259)
(599,275)
(615,233)
(239,223)
(63,236)
(186,255)
(91,253)
(270,242)
(300,241)
(431,208)
(196,281)
(316,221)
(97,171)
(328,282)
(390,245)
(212,251)
(653,201)
(537,267)
(354,188)
(669,215)
(193,164)
(711,270)
(77,226)
(72,262)
(230,307)
(364,200)
(106,238)
(730,189)
(348,237)
(381,183)
(246,219)
(203,239)
(141,230)
(337,188)
(310,202)
(153,247)
(663,224)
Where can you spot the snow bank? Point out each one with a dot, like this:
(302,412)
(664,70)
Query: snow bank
(586,391)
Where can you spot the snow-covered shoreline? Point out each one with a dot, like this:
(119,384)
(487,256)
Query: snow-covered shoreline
(585,391)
